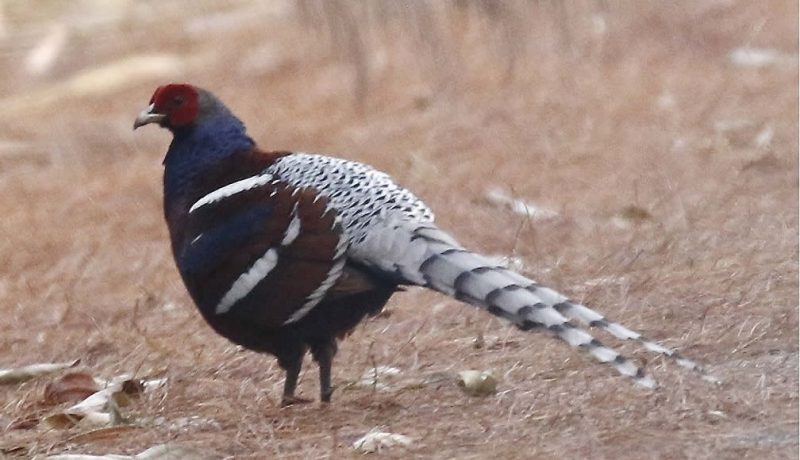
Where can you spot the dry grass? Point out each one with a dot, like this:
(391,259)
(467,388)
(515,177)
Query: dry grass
(590,110)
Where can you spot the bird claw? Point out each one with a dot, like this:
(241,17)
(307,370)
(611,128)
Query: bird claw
(291,400)
(325,396)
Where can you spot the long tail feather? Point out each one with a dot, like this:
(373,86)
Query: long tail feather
(472,278)
(594,319)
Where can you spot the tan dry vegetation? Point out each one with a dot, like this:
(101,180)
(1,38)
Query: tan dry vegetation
(673,170)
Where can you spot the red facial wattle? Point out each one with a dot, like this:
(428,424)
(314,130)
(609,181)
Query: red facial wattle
(179,103)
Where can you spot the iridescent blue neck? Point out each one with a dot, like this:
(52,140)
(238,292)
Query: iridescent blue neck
(196,148)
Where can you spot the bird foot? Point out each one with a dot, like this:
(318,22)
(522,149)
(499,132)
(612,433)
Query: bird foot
(291,400)
(325,396)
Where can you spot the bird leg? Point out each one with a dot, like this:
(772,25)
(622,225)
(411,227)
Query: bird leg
(292,367)
(323,354)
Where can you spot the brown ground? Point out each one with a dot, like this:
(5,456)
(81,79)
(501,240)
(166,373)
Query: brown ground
(673,169)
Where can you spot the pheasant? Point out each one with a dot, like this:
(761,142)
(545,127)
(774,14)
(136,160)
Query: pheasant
(286,252)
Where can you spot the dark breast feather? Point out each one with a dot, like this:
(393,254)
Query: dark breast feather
(224,240)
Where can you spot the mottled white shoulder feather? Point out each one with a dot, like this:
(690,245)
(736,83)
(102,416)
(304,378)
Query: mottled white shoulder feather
(368,202)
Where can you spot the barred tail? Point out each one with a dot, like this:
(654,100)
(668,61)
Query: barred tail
(594,319)
(435,260)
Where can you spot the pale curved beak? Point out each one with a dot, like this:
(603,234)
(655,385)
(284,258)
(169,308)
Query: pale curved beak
(147,116)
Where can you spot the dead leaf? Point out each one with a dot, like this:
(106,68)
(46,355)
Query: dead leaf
(376,440)
(17,451)
(159,452)
(176,452)
(105,433)
(74,386)
(25,423)
(21,374)
(62,420)
(100,408)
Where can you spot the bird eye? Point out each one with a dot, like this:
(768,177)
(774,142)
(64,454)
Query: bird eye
(177,100)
